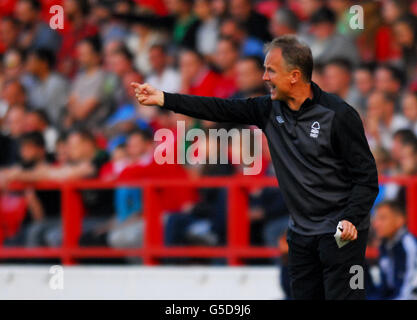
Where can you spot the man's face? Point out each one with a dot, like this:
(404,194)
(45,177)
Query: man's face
(276,75)
(13,94)
(363,81)
(404,35)
(15,122)
(190,66)
(228,29)
(157,59)
(8,33)
(376,106)
(386,222)
(79,148)
(248,75)
(410,107)
(33,64)
(337,79)
(396,148)
(385,82)
(240,9)
(25,13)
(226,55)
(70,7)
(33,123)
(86,55)
(136,146)
(119,64)
(322,30)
(30,152)
(408,160)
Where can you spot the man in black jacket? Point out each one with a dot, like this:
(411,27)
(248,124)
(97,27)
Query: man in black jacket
(322,160)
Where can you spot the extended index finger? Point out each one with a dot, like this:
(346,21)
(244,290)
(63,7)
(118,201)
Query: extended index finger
(135,85)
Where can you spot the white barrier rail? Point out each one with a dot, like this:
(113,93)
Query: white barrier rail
(139,282)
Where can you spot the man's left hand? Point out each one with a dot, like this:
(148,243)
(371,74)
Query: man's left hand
(349,231)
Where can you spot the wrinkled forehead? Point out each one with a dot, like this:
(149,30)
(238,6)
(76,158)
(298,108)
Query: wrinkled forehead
(273,58)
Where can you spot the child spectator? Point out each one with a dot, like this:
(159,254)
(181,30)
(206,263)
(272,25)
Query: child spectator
(398,255)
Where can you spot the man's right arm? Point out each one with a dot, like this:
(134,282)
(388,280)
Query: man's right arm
(251,111)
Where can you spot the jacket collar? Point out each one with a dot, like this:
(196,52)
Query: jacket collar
(307,102)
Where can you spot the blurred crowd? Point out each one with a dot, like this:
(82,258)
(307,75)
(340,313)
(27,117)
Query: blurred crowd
(67,110)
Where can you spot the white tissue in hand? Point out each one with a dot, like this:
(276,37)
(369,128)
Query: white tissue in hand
(340,242)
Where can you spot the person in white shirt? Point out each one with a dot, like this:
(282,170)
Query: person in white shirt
(381,120)
(162,77)
(409,107)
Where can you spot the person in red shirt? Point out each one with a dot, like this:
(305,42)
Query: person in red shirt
(140,148)
(226,58)
(197,78)
(76,28)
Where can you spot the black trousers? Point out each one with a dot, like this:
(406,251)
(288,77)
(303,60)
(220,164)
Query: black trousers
(319,269)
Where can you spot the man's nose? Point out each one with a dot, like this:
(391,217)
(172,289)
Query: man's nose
(265,76)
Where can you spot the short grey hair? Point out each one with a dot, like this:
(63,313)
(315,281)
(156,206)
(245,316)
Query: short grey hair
(296,54)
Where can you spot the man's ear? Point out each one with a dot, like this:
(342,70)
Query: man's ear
(295,76)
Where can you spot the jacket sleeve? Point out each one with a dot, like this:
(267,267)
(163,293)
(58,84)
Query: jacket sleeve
(251,111)
(350,144)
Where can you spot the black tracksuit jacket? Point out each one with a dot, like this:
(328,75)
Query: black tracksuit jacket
(322,159)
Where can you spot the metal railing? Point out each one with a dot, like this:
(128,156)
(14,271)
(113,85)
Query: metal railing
(237,246)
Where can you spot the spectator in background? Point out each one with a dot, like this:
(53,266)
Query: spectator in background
(9,32)
(109,27)
(338,79)
(364,84)
(85,161)
(343,16)
(227,54)
(13,94)
(43,205)
(207,31)
(14,128)
(127,117)
(385,166)
(121,64)
(162,76)
(390,79)
(409,109)
(284,21)
(256,23)
(128,226)
(234,29)
(398,254)
(400,139)
(405,31)
(407,168)
(186,23)
(47,90)
(197,78)
(13,64)
(249,72)
(61,151)
(326,43)
(309,7)
(38,121)
(382,120)
(220,8)
(141,39)
(35,33)
(108,51)
(90,99)
(76,28)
